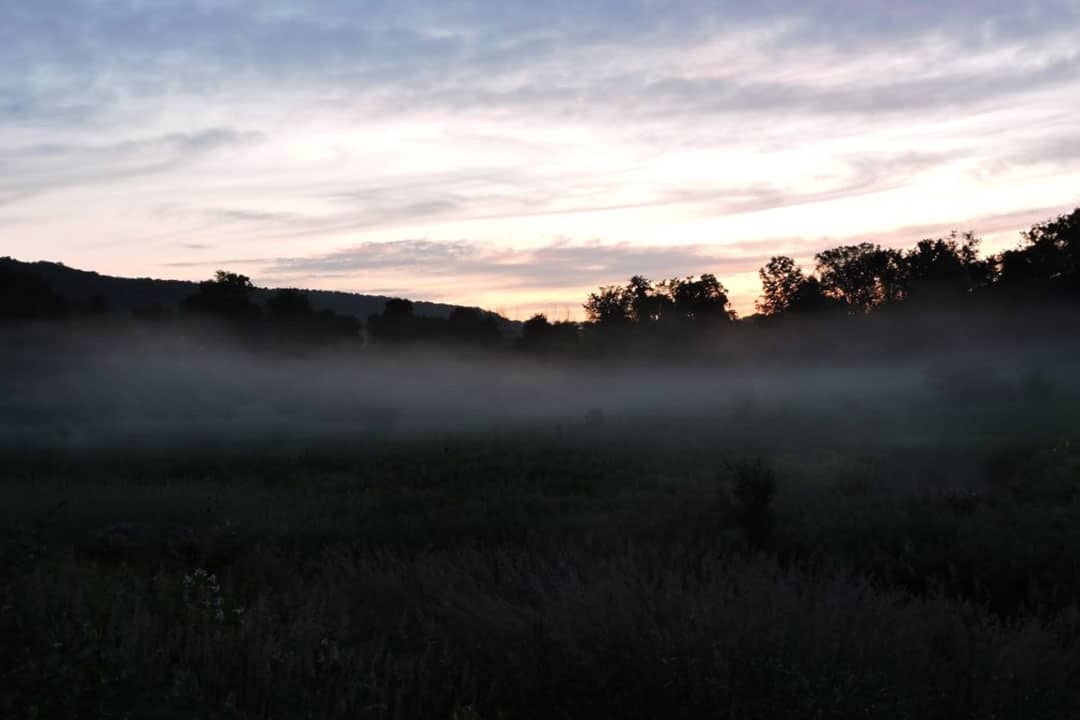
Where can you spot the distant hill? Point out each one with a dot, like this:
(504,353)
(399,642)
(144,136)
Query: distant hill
(128,294)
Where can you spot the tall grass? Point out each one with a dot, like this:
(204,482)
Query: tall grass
(635,632)
(490,579)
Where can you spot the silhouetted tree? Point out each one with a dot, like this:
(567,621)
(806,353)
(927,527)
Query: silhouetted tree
(864,276)
(612,305)
(811,298)
(291,316)
(540,334)
(781,280)
(642,302)
(536,330)
(228,297)
(395,323)
(646,304)
(703,299)
(943,269)
(472,325)
(1049,262)
(398,323)
(786,290)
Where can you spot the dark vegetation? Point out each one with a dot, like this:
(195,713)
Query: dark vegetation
(526,577)
(149,299)
(863,502)
(942,281)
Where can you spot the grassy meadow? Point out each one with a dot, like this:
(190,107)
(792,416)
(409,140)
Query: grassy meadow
(557,574)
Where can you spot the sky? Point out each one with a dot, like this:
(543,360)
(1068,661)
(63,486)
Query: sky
(516,155)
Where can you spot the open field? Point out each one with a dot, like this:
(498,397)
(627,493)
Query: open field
(193,529)
(497,575)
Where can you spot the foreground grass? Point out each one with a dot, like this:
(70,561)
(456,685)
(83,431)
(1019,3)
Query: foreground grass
(519,579)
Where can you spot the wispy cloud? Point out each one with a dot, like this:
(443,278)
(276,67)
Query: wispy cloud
(559,264)
(31,169)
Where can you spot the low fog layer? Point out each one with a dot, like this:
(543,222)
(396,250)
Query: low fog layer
(157,389)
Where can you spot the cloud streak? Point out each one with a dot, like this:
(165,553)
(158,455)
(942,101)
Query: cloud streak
(42,167)
(556,265)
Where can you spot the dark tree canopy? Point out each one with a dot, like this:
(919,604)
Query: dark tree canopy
(860,279)
(472,325)
(227,296)
(539,333)
(537,330)
(399,323)
(289,304)
(703,299)
(291,316)
(936,272)
(942,269)
(611,305)
(1049,260)
(781,280)
(396,322)
(863,276)
(785,289)
(642,303)
(24,297)
(646,303)
(810,298)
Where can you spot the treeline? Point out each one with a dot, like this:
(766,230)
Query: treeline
(226,304)
(941,276)
(864,278)
(851,281)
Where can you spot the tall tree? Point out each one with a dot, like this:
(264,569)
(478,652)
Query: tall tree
(1049,260)
(938,270)
(864,276)
(781,280)
(785,289)
(611,305)
(702,299)
(646,304)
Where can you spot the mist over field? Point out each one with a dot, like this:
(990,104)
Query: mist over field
(161,389)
